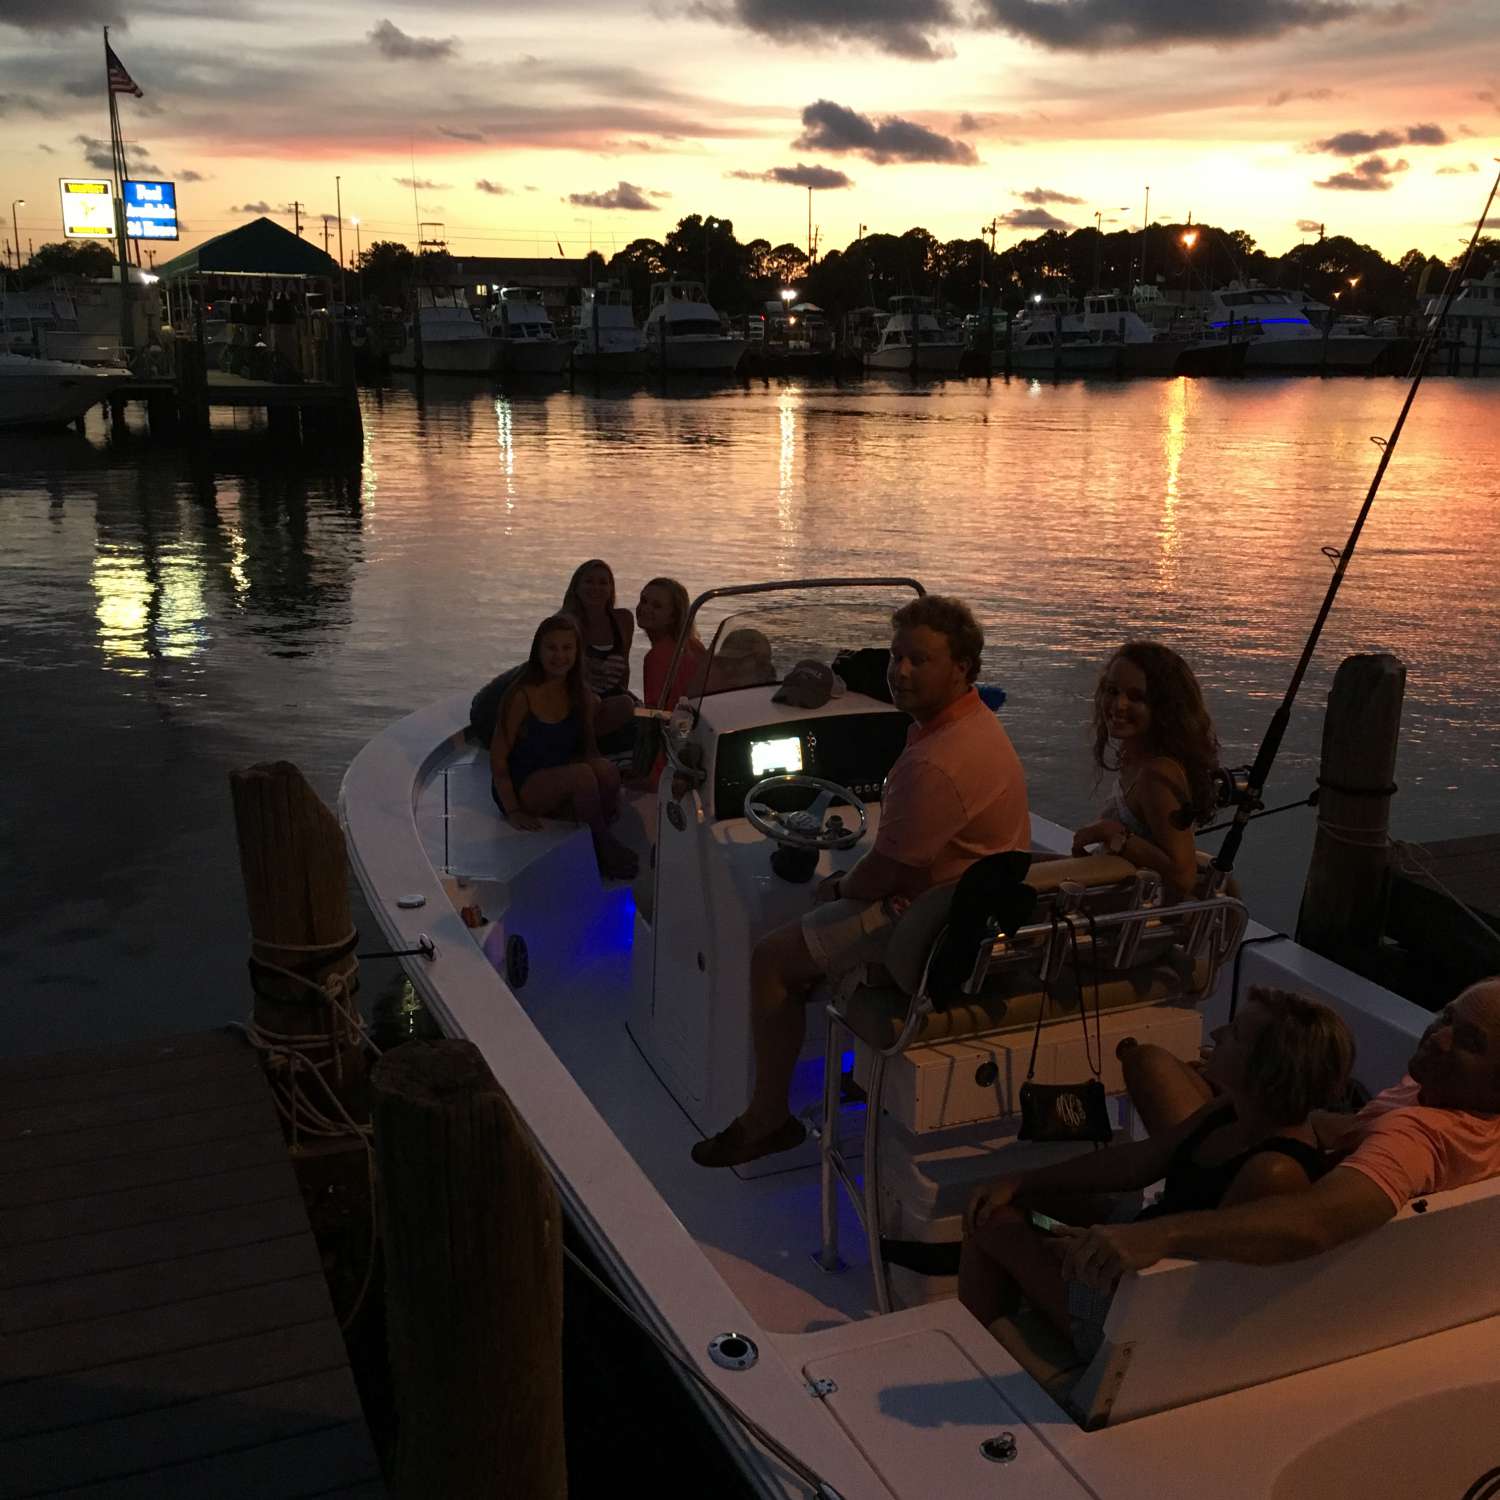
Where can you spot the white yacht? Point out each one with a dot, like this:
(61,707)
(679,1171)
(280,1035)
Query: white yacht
(522,328)
(1050,336)
(913,339)
(446,338)
(812,1294)
(1472,324)
(1281,336)
(608,342)
(683,332)
(38,392)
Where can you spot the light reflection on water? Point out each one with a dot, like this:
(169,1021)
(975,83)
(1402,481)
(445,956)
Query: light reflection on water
(161,625)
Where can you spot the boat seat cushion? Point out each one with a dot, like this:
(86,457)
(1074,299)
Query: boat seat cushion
(876,1013)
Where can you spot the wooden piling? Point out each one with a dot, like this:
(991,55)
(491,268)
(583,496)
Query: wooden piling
(1343,901)
(473,1244)
(296,874)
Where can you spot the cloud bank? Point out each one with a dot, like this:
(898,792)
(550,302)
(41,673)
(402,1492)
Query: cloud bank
(800,176)
(396,45)
(625,195)
(827,126)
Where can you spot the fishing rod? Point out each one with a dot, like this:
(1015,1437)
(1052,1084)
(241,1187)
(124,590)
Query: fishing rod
(1245,787)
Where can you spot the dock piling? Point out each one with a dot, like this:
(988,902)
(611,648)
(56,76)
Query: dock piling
(1342,912)
(474,1287)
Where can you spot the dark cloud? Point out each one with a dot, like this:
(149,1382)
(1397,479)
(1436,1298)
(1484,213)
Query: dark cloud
(1097,25)
(1362,142)
(461,135)
(904,28)
(59,15)
(15,104)
(1032,218)
(1046,195)
(625,195)
(97,154)
(1488,96)
(1309,226)
(395,44)
(423,184)
(251,208)
(1463,171)
(48,149)
(1371,176)
(486,186)
(1286,96)
(827,126)
(187,174)
(800,176)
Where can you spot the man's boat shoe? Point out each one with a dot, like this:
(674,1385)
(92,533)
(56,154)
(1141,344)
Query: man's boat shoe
(733,1148)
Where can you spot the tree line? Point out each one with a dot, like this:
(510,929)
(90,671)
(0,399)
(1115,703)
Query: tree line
(963,274)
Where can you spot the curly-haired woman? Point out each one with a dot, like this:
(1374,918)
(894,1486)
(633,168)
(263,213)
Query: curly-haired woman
(1152,730)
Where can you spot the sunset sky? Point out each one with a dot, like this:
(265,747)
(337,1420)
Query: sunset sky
(599,121)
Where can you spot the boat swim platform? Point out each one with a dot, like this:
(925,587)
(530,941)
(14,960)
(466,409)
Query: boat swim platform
(165,1326)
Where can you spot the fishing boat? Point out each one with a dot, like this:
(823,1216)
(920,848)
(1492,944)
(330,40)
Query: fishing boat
(38,392)
(444,337)
(521,327)
(1145,350)
(684,332)
(1473,322)
(801,1290)
(913,339)
(608,342)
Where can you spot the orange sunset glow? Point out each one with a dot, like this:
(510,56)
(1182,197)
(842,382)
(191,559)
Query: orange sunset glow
(594,122)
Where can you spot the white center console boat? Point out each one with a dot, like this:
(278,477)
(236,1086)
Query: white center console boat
(617,1021)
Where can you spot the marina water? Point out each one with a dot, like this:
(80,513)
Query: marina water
(164,620)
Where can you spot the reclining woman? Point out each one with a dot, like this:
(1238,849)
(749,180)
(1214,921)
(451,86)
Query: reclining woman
(606,631)
(544,761)
(1282,1057)
(1152,730)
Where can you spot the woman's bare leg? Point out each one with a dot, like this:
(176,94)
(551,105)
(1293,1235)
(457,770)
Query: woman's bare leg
(1163,1089)
(607,774)
(1006,1258)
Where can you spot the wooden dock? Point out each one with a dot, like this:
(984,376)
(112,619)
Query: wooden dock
(165,1327)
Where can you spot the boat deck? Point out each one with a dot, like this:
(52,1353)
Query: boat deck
(165,1327)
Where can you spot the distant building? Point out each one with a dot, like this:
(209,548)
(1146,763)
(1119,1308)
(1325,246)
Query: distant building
(558,280)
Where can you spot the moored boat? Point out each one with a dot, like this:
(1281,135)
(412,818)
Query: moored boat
(524,337)
(913,339)
(608,342)
(51,392)
(444,337)
(684,332)
(617,1022)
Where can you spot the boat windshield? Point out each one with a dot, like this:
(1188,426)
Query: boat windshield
(755,639)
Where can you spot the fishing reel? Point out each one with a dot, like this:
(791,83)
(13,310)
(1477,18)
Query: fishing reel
(1231,787)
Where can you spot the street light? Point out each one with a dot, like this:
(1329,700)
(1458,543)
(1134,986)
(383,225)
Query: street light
(16,203)
(1189,239)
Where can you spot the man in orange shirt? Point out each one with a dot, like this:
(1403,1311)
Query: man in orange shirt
(1438,1128)
(954,795)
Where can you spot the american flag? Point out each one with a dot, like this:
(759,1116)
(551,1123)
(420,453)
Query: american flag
(120,82)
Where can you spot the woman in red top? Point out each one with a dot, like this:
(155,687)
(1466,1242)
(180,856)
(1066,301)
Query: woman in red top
(661,614)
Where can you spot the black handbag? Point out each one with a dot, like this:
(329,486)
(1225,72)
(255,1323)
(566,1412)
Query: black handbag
(1069,1111)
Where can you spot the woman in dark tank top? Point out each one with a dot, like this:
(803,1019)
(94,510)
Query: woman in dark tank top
(1282,1057)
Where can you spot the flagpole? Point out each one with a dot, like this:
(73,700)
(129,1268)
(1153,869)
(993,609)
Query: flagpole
(117,152)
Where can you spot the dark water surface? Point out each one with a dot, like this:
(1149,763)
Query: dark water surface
(161,623)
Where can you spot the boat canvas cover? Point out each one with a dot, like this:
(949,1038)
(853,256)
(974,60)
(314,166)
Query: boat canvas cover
(261,247)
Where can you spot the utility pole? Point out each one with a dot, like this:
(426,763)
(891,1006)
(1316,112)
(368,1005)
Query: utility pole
(809,226)
(325,234)
(297,215)
(338,203)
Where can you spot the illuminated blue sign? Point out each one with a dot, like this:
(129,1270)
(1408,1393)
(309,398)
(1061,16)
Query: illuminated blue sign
(150,210)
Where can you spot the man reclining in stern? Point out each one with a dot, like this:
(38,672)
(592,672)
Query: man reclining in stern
(955,794)
(1438,1128)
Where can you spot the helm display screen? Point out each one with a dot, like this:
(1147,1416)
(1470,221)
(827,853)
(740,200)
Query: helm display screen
(767,757)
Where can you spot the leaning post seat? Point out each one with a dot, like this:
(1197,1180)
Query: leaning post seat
(1099,908)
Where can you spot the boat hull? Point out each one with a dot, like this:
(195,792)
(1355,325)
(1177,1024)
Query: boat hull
(1348,352)
(931,359)
(1080,359)
(609,361)
(532,356)
(704,354)
(476,356)
(49,393)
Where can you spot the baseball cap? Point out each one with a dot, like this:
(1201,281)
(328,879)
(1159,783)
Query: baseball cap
(808,685)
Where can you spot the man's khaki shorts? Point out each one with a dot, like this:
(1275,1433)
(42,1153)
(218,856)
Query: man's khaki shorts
(843,934)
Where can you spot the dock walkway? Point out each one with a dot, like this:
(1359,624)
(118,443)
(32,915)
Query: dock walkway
(165,1327)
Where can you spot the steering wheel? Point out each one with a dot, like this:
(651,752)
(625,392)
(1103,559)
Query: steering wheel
(806,829)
